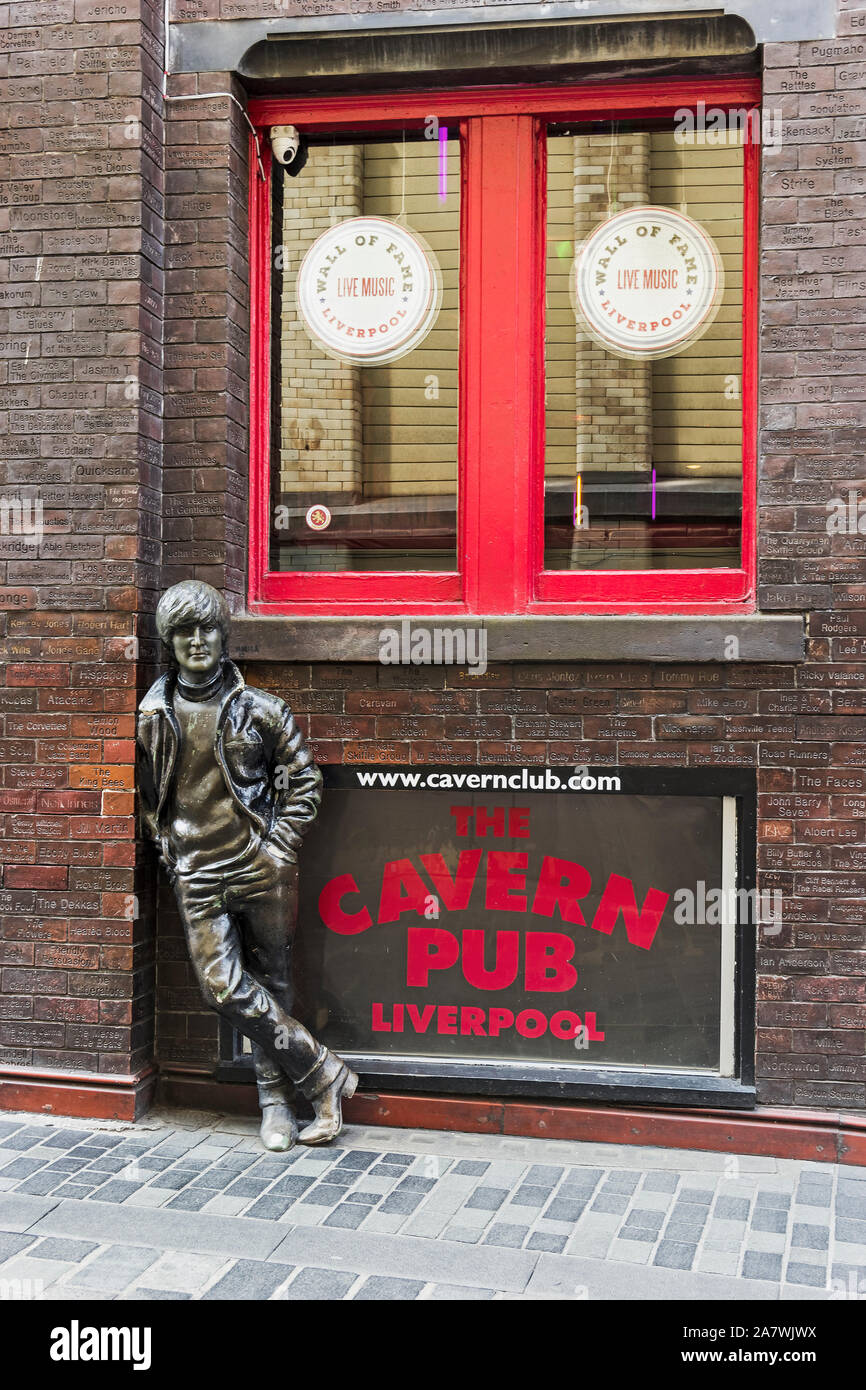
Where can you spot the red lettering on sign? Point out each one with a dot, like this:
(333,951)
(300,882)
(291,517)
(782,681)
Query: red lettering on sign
(454,892)
(403,890)
(332,914)
(619,897)
(548,951)
(560,884)
(504,971)
(502,866)
(428,948)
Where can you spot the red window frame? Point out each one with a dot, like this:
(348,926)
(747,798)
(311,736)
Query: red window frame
(501,395)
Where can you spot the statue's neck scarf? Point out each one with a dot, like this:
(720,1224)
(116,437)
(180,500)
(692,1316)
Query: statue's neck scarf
(205,691)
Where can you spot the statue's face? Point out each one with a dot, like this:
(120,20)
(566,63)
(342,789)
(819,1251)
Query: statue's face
(197,650)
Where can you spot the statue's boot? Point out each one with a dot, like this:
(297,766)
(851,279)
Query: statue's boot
(279,1131)
(326,1085)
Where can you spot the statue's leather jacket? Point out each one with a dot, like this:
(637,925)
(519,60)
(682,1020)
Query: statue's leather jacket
(267,767)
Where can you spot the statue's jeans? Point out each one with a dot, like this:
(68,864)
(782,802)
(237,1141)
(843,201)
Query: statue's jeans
(239,926)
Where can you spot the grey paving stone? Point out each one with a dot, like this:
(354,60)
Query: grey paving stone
(20,1211)
(115,1191)
(315,1284)
(190,1201)
(164,1228)
(696,1196)
(502,1234)
(640,1234)
(464,1234)
(68,1138)
(292,1186)
(660,1182)
(151,1161)
(673,1255)
(210,1178)
(468,1167)
(846,1204)
(620,1181)
(562,1210)
(812,1237)
(358,1158)
(414,1184)
(769,1219)
(12,1244)
(23,1167)
(545,1175)
(813,1275)
(731,1208)
(40,1184)
(403,1202)
(361,1199)
(107,1164)
(406,1159)
(270,1208)
(530,1196)
(851,1232)
(761,1264)
(814,1196)
(76,1190)
(614,1203)
(175,1179)
(487,1198)
(114,1268)
(23,1139)
(543,1240)
(433,1261)
(64,1165)
(643,1217)
(348,1217)
(324,1195)
(767,1198)
(247,1187)
(380,1287)
(247,1279)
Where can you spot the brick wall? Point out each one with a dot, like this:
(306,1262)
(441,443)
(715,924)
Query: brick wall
(80,407)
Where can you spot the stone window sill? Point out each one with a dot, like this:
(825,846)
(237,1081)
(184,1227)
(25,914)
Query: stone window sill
(761,637)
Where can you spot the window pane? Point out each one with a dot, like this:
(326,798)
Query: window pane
(643,458)
(371,443)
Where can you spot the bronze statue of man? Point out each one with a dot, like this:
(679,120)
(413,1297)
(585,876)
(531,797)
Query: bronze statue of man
(227,787)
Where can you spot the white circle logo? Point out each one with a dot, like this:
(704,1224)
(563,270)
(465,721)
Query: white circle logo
(647,282)
(368,290)
(318,517)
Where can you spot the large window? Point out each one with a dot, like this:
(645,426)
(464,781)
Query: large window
(504,351)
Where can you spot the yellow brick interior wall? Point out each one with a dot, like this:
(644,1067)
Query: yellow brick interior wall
(378,431)
(320,408)
(608,413)
(694,422)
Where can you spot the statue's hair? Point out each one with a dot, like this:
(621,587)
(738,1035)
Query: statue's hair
(191,601)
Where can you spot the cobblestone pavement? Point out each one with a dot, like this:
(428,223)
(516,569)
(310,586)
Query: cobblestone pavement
(188,1205)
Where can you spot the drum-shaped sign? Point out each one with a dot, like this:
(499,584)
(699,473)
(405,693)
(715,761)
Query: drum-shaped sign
(647,283)
(368,290)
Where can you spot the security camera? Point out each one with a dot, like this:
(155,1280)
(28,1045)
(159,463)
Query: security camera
(289,148)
